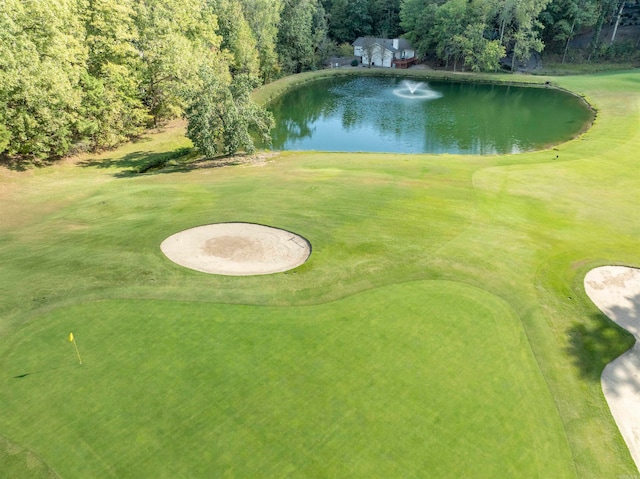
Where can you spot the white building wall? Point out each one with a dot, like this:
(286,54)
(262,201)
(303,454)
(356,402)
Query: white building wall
(380,56)
(386,58)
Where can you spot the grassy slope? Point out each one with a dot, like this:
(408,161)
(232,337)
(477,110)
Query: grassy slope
(590,195)
(525,228)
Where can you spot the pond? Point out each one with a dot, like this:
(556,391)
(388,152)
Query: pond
(388,114)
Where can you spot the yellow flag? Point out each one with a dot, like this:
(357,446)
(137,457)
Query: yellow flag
(70,337)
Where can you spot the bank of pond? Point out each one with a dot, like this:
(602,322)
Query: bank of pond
(413,115)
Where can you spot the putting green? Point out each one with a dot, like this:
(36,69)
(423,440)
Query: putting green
(428,377)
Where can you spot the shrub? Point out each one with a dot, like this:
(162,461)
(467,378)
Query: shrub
(345,50)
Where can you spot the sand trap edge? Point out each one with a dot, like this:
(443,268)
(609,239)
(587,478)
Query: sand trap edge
(615,290)
(237,249)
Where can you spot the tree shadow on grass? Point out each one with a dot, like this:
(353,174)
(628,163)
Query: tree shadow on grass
(599,340)
(141,162)
(237,159)
(25,163)
(180,160)
(596,342)
(28,162)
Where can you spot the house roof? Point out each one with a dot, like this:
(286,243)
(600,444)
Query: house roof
(387,43)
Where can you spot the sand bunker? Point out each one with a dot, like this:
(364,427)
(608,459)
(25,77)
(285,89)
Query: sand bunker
(237,249)
(616,291)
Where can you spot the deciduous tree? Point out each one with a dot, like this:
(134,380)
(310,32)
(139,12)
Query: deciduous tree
(297,35)
(42,60)
(563,19)
(385,18)
(527,28)
(237,37)
(263,17)
(112,109)
(350,19)
(175,38)
(221,114)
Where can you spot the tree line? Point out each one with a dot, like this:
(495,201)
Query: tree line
(93,73)
(477,34)
(89,74)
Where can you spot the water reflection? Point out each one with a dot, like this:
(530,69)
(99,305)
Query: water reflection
(393,115)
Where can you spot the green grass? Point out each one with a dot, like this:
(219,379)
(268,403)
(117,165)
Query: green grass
(439,328)
(361,387)
(557,68)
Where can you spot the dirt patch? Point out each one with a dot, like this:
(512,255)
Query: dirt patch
(257,159)
(237,249)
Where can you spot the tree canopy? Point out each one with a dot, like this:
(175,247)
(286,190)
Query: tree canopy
(93,73)
(97,72)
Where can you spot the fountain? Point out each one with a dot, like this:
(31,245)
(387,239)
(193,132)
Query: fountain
(416,90)
(416,114)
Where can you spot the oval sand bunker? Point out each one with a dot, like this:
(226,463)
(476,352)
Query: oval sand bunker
(236,249)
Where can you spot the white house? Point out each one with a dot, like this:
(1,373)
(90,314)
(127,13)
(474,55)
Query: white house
(383,52)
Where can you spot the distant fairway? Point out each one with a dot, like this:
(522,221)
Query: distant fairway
(438,329)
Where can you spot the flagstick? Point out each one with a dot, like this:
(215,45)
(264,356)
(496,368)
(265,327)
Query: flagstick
(77,352)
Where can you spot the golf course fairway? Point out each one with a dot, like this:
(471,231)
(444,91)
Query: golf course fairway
(439,327)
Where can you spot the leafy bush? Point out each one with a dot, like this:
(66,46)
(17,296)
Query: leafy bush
(345,50)
(618,51)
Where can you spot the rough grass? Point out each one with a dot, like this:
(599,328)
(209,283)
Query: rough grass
(558,68)
(16,461)
(405,249)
